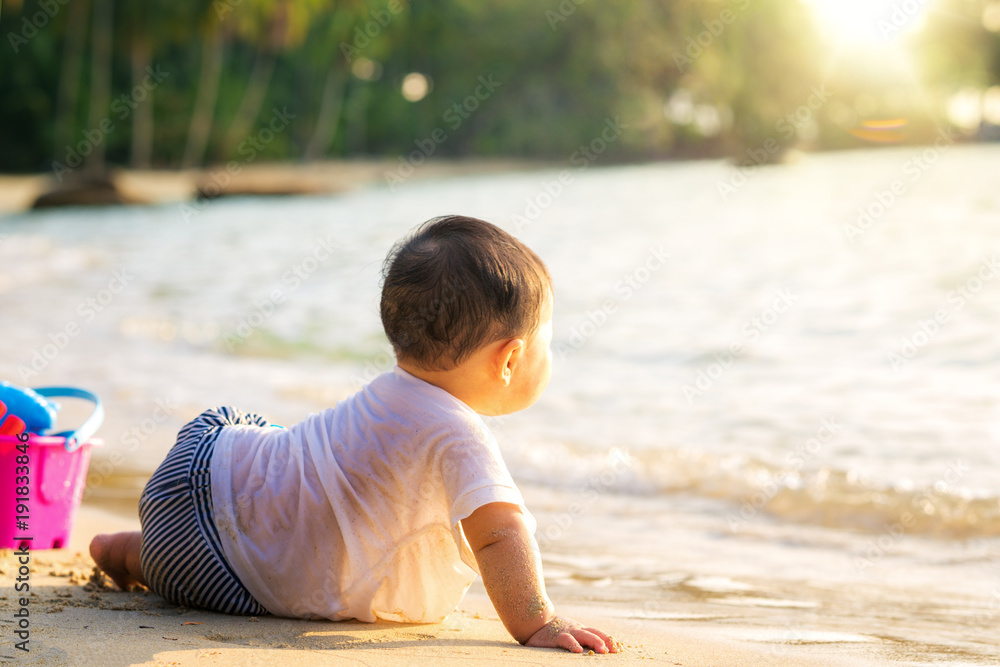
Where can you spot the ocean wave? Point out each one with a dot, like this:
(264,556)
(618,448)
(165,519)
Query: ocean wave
(752,490)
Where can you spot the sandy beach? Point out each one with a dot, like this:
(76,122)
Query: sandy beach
(79,618)
(811,505)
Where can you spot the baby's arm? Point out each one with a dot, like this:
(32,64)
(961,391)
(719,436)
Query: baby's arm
(511,568)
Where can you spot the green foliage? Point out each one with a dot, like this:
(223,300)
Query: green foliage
(534,78)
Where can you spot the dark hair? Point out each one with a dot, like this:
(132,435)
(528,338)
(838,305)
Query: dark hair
(456,284)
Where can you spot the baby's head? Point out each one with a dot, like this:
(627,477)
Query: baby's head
(456,286)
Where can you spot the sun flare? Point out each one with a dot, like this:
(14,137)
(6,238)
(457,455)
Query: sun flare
(869,23)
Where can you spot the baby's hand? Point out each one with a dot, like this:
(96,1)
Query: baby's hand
(562,632)
(511,567)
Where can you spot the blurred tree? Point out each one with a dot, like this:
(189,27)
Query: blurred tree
(75,34)
(778,71)
(271,27)
(328,114)
(955,49)
(102,35)
(686,78)
(206,16)
(353,34)
(146,27)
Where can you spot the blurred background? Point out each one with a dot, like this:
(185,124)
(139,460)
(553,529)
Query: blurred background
(691,79)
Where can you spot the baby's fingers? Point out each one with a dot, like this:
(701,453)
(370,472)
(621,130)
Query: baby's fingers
(588,637)
(608,640)
(567,641)
(569,635)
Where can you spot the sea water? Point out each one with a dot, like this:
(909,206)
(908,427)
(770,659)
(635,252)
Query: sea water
(777,401)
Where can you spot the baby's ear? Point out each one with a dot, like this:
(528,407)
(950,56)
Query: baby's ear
(509,356)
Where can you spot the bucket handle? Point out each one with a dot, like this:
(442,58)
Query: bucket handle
(76,438)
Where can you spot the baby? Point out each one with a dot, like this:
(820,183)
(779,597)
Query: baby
(385,506)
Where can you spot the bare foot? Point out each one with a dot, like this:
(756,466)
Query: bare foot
(118,556)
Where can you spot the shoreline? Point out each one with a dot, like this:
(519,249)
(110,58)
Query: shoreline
(154,186)
(666,553)
(164,186)
(77,618)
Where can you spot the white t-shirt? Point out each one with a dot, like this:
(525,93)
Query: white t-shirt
(355,511)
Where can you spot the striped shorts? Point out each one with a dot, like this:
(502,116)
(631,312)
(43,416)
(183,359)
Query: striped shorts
(181,554)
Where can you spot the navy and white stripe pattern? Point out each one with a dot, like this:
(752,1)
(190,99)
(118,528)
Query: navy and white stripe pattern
(181,553)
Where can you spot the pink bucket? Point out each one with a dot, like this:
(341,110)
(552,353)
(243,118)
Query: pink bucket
(56,478)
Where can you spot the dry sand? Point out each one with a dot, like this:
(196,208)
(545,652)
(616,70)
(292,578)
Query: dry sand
(77,619)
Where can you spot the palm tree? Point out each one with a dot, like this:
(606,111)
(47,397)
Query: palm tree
(213,40)
(140,38)
(102,34)
(75,35)
(324,49)
(272,26)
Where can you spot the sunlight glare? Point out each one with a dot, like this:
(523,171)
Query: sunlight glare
(869,22)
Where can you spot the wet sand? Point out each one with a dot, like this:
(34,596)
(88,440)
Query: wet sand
(77,618)
(661,568)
